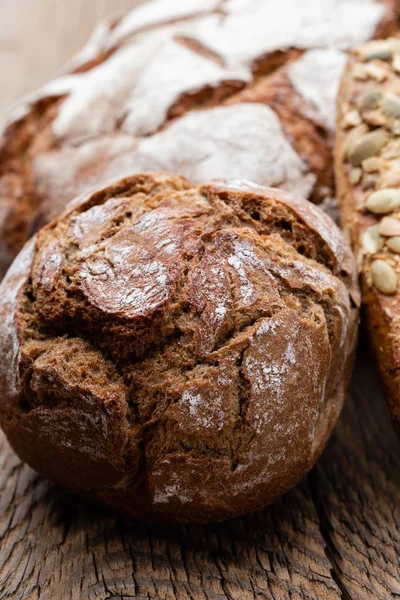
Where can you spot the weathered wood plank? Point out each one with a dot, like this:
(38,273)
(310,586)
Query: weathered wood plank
(356,488)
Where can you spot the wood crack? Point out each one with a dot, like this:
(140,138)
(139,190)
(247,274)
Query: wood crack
(330,548)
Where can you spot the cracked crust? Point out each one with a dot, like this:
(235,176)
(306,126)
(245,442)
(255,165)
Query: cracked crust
(245,97)
(176,351)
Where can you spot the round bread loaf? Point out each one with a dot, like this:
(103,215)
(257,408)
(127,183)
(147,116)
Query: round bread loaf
(178,352)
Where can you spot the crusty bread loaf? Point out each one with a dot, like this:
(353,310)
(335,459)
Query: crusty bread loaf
(201,88)
(367,159)
(178,352)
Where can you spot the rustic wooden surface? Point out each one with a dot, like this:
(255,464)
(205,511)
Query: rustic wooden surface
(337,535)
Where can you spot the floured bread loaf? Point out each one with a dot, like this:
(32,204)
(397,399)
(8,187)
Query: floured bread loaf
(178,352)
(201,88)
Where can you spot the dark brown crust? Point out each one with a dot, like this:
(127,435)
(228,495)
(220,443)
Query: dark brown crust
(200,376)
(381,310)
(32,193)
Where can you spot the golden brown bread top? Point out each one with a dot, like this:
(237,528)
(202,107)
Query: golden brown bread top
(367,160)
(204,89)
(177,350)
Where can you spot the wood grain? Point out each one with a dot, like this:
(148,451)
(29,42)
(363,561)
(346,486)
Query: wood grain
(337,535)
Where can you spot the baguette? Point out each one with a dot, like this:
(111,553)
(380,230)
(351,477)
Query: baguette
(201,88)
(367,164)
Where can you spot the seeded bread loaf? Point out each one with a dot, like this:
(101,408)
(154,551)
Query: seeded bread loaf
(201,88)
(367,158)
(178,352)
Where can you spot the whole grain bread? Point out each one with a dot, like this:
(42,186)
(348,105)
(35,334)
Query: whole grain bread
(178,352)
(201,88)
(367,159)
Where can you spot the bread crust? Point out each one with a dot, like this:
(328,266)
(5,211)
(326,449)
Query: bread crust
(245,98)
(367,217)
(178,352)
